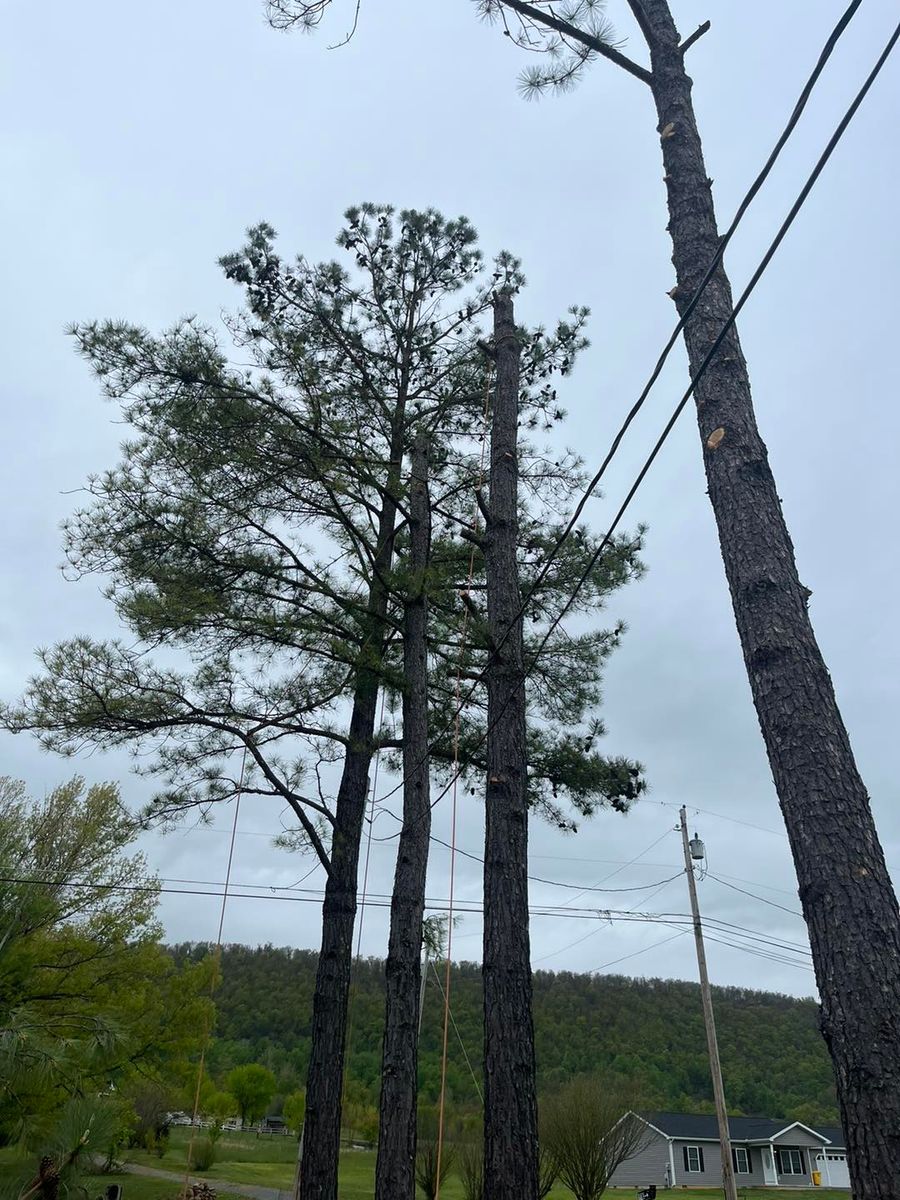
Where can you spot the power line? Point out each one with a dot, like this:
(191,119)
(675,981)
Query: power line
(725,330)
(707,812)
(829,47)
(613,962)
(760,945)
(795,209)
(621,862)
(631,862)
(753,896)
(752,942)
(785,962)
(593,932)
(577,887)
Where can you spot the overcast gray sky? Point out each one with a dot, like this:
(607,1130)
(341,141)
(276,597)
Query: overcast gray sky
(141,140)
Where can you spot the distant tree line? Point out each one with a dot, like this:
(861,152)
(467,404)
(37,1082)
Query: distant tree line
(646,1033)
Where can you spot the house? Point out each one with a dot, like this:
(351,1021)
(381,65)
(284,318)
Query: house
(682,1149)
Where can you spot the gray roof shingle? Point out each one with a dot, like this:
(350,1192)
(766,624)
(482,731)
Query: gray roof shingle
(704,1125)
(835,1135)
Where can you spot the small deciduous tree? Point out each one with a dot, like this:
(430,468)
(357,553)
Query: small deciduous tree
(87,996)
(294,1110)
(470,1165)
(428,1174)
(588,1130)
(220,1107)
(252,1087)
(547,1171)
(152,1101)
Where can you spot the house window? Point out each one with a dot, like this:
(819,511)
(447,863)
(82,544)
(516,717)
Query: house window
(790,1162)
(741,1160)
(693,1159)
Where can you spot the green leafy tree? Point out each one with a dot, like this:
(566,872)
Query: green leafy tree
(252,1088)
(220,1107)
(151,1101)
(87,995)
(294,1111)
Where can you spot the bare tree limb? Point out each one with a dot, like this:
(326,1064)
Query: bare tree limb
(695,37)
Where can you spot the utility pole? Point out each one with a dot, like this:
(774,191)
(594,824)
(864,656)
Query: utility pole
(691,850)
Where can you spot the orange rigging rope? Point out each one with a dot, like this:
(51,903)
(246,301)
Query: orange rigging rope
(217,958)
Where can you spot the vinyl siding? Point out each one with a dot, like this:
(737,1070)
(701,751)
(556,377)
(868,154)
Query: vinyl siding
(798,1137)
(755,1178)
(647,1166)
(710,1176)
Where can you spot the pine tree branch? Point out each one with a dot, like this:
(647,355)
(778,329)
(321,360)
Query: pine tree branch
(578,35)
(310,830)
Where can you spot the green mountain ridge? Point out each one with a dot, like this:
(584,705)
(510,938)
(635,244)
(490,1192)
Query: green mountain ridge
(647,1032)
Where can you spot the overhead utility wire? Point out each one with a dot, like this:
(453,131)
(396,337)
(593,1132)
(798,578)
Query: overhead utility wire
(435,905)
(833,39)
(726,328)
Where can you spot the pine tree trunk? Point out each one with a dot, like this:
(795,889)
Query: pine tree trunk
(848,901)
(324,1081)
(328,1035)
(395,1177)
(510,1109)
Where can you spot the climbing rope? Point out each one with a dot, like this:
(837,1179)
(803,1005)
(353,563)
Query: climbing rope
(459,1037)
(217,959)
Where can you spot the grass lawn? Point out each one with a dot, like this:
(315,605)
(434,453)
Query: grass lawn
(134,1187)
(269,1162)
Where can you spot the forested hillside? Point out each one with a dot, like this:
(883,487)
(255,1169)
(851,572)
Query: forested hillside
(649,1031)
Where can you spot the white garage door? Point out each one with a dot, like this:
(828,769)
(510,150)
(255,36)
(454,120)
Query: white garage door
(833,1166)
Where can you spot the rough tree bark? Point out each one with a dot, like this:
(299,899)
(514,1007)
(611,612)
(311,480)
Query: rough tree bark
(395,1177)
(324,1081)
(510,1108)
(846,893)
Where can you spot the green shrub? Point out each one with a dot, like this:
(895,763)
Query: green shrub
(203,1155)
(470,1164)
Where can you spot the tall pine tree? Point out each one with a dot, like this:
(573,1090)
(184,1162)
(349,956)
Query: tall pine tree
(845,890)
(251,527)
